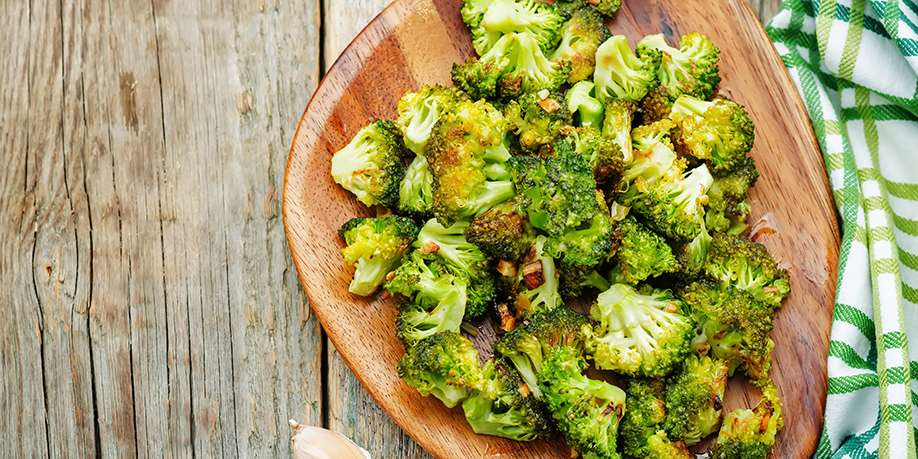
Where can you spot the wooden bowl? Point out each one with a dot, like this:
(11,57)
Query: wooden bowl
(414,42)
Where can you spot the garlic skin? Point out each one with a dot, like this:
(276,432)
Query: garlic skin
(307,442)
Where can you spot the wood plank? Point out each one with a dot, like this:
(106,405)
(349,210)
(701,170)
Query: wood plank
(768,10)
(351,410)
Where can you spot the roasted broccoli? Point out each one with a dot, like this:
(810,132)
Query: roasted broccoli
(537,118)
(689,70)
(464,260)
(642,254)
(642,433)
(504,406)
(435,298)
(502,232)
(731,325)
(581,36)
(727,204)
(489,20)
(603,154)
(639,333)
(558,192)
(746,265)
(750,434)
(604,7)
(541,334)
(588,411)
(375,246)
(694,399)
(621,74)
(514,65)
(372,165)
(586,109)
(718,132)
(419,111)
(536,285)
(467,156)
(580,251)
(415,193)
(616,125)
(444,365)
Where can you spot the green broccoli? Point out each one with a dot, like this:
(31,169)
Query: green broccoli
(514,65)
(504,407)
(587,411)
(750,434)
(537,118)
(732,326)
(727,204)
(415,193)
(536,287)
(641,428)
(603,154)
(502,232)
(419,111)
(580,251)
(463,259)
(445,365)
(587,109)
(558,192)
(372,165)
(467,155)
(530,343)
(620,74)
(689,70)
(375,246)
(436,299)
(718,132)
(616,125)
(747,266)
(605,7)
(638,333)
(642,254)
(489,20)
(581,36)
(694,399)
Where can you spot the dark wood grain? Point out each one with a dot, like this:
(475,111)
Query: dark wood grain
(414,42)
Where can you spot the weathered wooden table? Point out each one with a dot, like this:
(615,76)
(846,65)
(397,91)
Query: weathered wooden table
(151,307)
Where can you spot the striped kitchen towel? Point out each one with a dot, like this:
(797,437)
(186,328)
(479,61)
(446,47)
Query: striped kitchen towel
(855,63)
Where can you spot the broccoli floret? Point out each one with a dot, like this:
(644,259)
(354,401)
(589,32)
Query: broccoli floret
(620,74)
(467,156)
(445,365)
(504,407)
(528,344)
(638,334)
(578,252)
(750,434)
(436,299)
(690,70)
(732,326)
(586,109)
(656,105)
(581,36)
(372,165)
(375,246)
(419,111)
(588,411)
(463,259)
(727,205)
(558,192)
(537,285)
(642,253)
(537,118)
(603,154)
(514,65)
(502,232)
(415,193)
(488,20)
(694,399)
(718,132)
(605,7)
(616,125)
(642,433)
(747,266)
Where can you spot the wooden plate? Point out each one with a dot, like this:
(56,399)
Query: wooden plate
(414,42)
